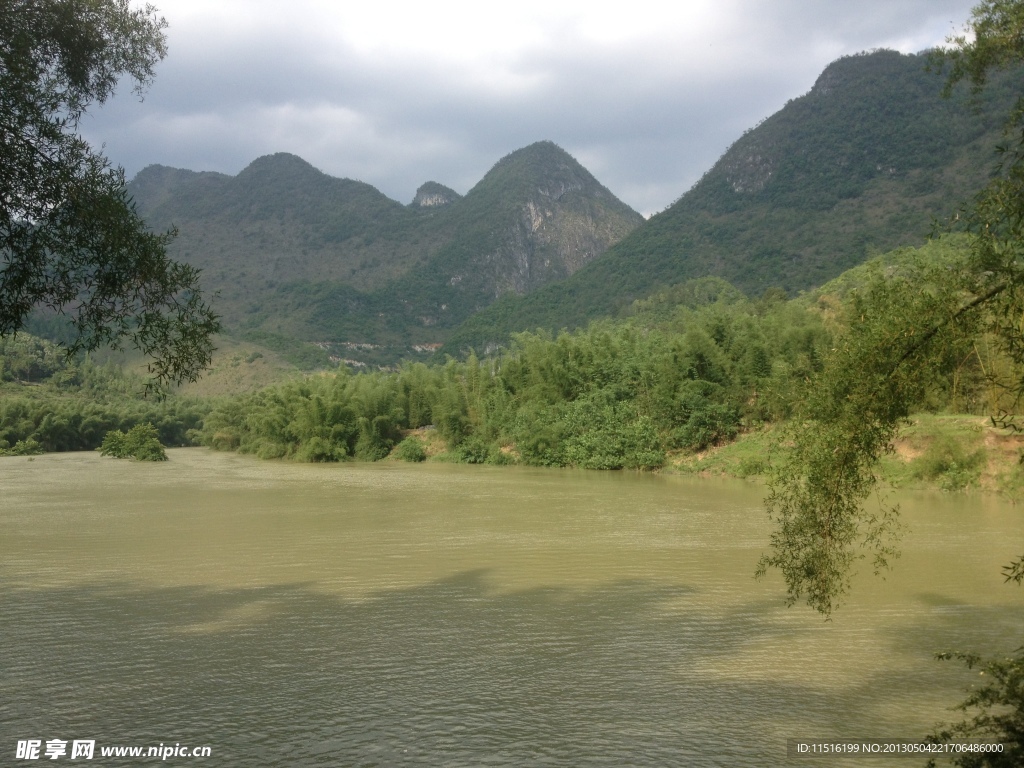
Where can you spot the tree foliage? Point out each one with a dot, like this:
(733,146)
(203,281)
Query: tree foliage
(998,713)
(901,333)
(70,240)
(55,403)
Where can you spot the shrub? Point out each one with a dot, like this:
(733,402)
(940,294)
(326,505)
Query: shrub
(604,435)
(226,439)
(318,449)
(140,443)
(709,424)
(410,449)
(27,447)
(474,450)
(376,438)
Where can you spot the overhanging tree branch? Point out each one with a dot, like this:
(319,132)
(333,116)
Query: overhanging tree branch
(71,239)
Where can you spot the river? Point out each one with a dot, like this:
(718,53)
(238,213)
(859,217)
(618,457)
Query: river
(442,615)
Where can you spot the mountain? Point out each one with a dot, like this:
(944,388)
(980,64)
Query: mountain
(295,253)
(537,217)
(280,219)
(863,163)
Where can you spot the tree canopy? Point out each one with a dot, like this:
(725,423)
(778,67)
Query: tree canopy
(70,239)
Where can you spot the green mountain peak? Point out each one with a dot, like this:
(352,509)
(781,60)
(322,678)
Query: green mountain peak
(279,162)
(434,195)
(542,168)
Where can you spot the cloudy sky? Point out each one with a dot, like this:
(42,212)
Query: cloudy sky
(647,94)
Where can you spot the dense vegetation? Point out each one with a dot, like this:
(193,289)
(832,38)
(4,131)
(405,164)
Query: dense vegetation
(50,403)
(140,443)
(857,166)
(689,370)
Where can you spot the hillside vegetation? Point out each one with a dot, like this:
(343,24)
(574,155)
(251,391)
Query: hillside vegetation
(687,376)
(50,403)
(863,163)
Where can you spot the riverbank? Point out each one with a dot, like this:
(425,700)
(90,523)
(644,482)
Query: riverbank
(949,452)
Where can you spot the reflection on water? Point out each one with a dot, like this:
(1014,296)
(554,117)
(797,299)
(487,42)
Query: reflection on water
(385,615)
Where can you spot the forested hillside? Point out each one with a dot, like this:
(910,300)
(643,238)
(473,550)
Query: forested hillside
(863,163)
(868,160)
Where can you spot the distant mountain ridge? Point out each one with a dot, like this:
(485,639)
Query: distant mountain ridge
(862,163)
(279,217)
(295,252)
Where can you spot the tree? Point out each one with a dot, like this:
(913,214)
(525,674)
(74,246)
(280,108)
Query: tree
(70,239)
(901,332)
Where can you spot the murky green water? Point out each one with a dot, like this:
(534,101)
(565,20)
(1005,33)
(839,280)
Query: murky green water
(387,614)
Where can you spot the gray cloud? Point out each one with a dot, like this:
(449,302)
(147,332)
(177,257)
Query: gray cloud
(646,114)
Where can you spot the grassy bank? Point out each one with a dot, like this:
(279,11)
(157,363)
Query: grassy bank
(949,452)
